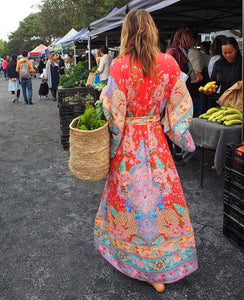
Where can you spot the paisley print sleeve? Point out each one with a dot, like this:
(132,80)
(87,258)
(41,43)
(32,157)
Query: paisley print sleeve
(114,107)
(178,115)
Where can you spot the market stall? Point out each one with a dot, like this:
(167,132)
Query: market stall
(58,45)
(202,16)
(37,51)
(214,136)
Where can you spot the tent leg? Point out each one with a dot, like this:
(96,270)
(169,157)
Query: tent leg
(74,55)
(89,54)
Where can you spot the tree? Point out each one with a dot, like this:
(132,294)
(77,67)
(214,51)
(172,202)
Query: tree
(91,10)
(56,18)
(3,48)
(28,35)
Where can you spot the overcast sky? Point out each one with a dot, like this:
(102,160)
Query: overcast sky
(12,12)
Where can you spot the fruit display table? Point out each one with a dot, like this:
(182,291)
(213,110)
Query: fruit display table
(214,136)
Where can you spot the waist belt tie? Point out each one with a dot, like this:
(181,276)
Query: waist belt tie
(142,120)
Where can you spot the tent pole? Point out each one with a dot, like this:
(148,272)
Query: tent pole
(106,41)
(74,55)
(242,73)
(89,53)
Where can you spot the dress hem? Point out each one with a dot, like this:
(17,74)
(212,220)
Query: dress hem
(149,280)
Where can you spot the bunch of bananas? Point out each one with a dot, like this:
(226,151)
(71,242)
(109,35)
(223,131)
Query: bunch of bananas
(209,88)
(224,115)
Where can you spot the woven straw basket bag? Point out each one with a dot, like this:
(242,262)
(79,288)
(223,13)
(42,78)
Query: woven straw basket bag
(89,152)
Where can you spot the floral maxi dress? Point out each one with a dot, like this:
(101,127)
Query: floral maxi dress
(142,226)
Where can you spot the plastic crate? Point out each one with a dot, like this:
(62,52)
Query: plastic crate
(71,110)
(232,200)
(71,105)
(231,210)
(65,141)
(234,158)
(67,113)
(77,95)
(234,231)
(234,176)
(234,188)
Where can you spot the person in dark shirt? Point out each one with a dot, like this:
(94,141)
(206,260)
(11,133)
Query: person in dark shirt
(41,65)
(227,70)
(14,84)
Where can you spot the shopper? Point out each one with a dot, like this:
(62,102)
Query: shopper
(4,67)
(41,65)
(182,41)
(26,71)
(14,84)
(52,74)
(142,226)
(104,65)
(69,61)
(61,65)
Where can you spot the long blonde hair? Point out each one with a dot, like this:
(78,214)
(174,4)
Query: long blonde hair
(52,57)
(139,40)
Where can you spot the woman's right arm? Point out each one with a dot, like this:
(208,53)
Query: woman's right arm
(114,106)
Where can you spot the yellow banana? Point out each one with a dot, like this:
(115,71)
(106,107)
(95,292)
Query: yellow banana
(233,117)
(220,117)
(210,83)
(215,114)
(212,110)
(232,122)
(230,111)
(203,116)
(232,106)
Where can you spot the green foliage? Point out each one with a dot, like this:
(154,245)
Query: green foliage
(75,76)
(91,10)
(99,86)
(94,69)
(93,118)
(56,18)
(3,49)
(27,36)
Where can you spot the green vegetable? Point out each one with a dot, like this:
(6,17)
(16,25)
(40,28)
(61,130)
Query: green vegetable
(93,70)
(76,76)
(93,118)
(99,86)
(82,127)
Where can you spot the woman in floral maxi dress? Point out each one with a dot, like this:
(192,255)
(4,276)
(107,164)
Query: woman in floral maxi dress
(142,226)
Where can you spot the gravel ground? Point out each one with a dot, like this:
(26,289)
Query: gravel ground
(47,215)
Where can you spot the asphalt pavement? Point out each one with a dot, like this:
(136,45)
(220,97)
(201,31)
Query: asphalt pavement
(47,217)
